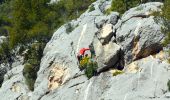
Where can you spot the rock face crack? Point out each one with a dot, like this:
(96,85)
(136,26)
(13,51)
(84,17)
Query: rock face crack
(17,98)
(138,16)
(135,16)
(76,84)
(74,77)
(42,95)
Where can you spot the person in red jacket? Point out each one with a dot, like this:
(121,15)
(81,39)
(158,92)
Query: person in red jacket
(81,53)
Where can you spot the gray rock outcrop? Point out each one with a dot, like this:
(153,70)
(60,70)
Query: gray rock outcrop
(148,82)
(64,56)
(139,34)
(107,55)
(14,87)
(136,33)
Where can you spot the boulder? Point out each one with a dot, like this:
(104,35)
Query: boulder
(107,55)
(114,17)
(138,36)
(143,10)
(109,19)
(106,33)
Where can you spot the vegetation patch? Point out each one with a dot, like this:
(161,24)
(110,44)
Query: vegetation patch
(117,72)
(5,53)
(30,75)
(91,69)
(69,28)
(168,84)
(123,5)
(166,17)
(32,59)
(91,8)
(89,66)
(108,11)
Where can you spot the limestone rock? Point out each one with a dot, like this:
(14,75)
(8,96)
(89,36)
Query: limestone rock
(59,77)
(148,82)
(14,86)
(106,33)
(140,36)
(114,18)
(107,55)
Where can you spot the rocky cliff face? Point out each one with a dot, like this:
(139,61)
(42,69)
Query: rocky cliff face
(132,41)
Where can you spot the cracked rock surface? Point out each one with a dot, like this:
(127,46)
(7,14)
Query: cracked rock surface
(130,40)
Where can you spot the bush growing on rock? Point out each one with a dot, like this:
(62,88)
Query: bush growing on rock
(5,8)
(91,8)
(5,53)
(91,69)
(123,5)
(69,28)
(89,66)
(168,84)
(30,75)
(32,59)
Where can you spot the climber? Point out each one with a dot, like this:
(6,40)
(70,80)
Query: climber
(81,53)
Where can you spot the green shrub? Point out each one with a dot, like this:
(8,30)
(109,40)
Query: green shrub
(166,16)
(123,5)
(89,66)
(91,69)
(118,6)
(69,28)
(30,75)
(36,20)
(91,8)
(168,84)
(5,9)
(5,53)
(32,59)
